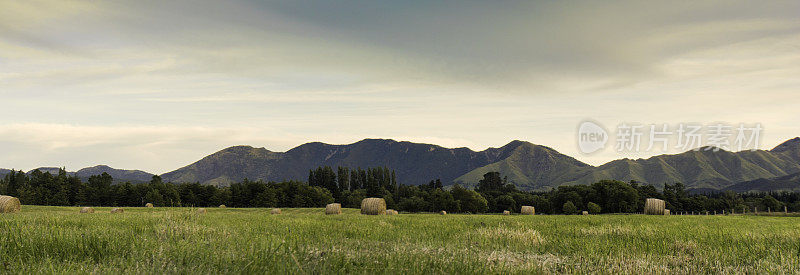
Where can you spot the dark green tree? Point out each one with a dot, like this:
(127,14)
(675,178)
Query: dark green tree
(469,200)
(593,208)
(569,208)
(491,182)
(505,202)
(154,196)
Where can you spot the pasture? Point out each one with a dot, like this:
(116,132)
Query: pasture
(180,240)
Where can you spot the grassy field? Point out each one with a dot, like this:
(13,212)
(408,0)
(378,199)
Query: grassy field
(176,240)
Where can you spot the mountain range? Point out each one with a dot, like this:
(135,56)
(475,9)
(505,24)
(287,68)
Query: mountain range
(528,166)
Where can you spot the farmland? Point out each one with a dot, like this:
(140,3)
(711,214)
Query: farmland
(43,239)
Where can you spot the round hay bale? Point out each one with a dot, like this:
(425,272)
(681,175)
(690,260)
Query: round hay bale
(373,206)
(528,210)
(222,206)
(391,212)
(666,212)
(333,209)
(202,211)
(443,212)
(87,210)
(275,211)
(9,204)
(117,210)
(506,212)
(585,213)
(654,207)
(150,205)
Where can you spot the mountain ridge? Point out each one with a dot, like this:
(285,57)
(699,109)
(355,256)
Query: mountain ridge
(527,165)
(412,161)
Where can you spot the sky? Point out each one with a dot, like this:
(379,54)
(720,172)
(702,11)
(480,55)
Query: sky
(157,85)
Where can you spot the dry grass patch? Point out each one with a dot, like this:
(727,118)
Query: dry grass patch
(684,248)
(517,261)
(518,235)
(186,226)
(607,230)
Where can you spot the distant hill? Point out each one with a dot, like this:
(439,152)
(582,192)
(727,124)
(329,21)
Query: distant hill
(528,166)
(51,170)
(784,183)
(697,169)
(134,176)
(789,149)
(414,163)
(119,175)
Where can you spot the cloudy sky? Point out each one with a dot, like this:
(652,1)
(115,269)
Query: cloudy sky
(156,85)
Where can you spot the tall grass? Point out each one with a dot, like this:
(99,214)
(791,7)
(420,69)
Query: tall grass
(177,240)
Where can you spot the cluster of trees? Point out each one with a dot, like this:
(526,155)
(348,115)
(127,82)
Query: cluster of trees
(39,188)
(349,186)
(494,194)
(610,196)
(374,182)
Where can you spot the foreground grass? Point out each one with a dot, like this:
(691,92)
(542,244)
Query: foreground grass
(176,240)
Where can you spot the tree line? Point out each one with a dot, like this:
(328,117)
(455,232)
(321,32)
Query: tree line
(38,188)
(349,186)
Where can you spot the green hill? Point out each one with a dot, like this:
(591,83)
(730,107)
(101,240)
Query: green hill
(528,166)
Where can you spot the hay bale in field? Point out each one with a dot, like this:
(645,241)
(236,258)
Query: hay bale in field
(202,211)
(585,213)
(666,212)
(222,206)
(506,212)
(528,210)
(9,204)
(389,212)
(373,206)
(654,207)
(275,211)
(117,210)
(443,212)
(149,205)
(333,209)
(87,210)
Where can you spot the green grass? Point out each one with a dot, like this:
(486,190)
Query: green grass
(176,240)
